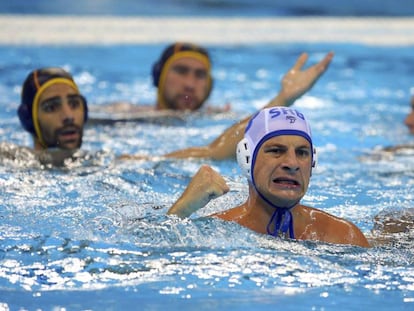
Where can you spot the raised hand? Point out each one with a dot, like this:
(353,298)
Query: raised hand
(206,185)
(298,81)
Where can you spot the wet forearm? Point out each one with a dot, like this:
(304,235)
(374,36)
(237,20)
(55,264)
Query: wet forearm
(280,100)
(191,152)
(187,204)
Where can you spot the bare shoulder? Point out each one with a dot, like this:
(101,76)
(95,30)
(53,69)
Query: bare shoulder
(233,214)
(330,228)
(331,222)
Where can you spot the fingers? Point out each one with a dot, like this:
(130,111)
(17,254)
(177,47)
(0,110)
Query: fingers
(325,62)
(222,184)
(320,67)
(302,59)
(206,185)
(215,183)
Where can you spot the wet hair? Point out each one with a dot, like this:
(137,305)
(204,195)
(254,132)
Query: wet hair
(173,52)
(33,87)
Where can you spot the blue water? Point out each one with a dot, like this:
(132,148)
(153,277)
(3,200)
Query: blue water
(257,8)
(93,235)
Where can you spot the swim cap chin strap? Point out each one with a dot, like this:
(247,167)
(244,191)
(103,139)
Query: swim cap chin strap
(283,219)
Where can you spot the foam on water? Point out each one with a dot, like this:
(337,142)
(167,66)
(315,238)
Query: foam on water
(93,235)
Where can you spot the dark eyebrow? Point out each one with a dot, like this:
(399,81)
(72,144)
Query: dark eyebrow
(180,66)
(187,67)
(50,99)
(59,97)
(279,145)
(303,147)
(73,95)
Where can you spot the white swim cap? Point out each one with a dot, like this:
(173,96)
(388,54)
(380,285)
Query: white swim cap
(268,123)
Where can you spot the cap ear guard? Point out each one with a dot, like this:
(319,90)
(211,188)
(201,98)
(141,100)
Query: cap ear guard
(156,72)
(244,158)
(314,158)
(85,109)
(25,117)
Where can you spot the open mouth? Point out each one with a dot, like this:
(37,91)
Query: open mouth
(69,133)
(187,99)
(286,182)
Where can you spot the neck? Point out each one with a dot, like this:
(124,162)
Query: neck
(37,145)
(256,202)
(279,219)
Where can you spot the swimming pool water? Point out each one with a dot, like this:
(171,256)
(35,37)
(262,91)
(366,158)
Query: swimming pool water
(93,235)
(225,8)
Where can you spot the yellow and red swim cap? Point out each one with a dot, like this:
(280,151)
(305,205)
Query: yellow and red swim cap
(33,87)
(169,55)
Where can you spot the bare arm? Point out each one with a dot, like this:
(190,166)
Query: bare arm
(398,148)
(205,186)
(295,83)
